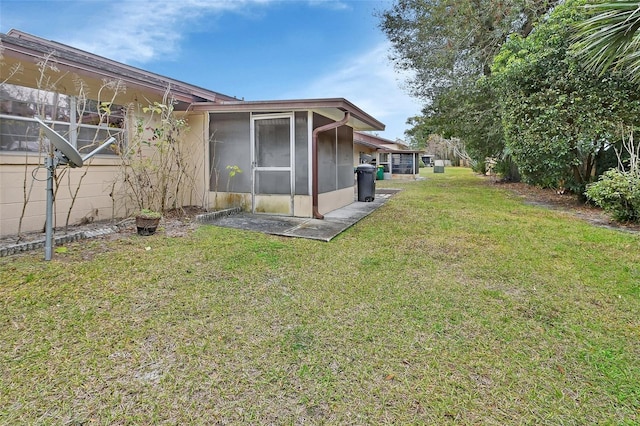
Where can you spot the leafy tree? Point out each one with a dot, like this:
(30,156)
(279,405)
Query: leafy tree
(611,37)
(470,113)
(445,41)
(558,118)
(448,46)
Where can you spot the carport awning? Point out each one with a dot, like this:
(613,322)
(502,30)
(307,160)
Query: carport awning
(333,108)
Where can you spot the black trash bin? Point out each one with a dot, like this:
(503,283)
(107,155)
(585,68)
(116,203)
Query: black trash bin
(366,182)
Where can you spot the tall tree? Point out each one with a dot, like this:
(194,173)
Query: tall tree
(445,41)
(470,112)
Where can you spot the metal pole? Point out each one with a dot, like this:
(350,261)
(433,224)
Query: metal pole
(50,165)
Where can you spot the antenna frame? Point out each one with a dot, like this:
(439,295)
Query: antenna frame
(64,154)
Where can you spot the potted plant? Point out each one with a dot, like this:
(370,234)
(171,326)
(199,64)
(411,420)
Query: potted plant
(147,221)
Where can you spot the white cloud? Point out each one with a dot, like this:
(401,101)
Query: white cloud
(371,82)
(142,31)
(330,4)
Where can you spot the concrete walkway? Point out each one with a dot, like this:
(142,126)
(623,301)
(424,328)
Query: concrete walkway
(325,229)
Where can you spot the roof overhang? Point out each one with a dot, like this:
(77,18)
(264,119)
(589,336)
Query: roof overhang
(365,143)
(31,49)
(379,144)
(392,151)
(333,108)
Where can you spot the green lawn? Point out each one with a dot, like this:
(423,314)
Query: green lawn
(454,303)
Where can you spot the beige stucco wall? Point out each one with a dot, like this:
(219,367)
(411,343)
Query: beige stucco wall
(357,149)
(195,149)
(303,206)
(93,202)
(330,201)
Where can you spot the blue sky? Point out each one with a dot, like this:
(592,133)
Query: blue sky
(251,49)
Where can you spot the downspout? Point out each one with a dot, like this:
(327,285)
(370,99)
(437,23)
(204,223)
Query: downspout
(314,162)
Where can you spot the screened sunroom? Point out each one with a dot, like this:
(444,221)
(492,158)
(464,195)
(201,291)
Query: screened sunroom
(292,158)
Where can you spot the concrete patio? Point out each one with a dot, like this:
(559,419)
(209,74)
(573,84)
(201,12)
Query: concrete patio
(325,229)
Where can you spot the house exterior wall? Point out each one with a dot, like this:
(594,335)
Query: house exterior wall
(303,206)
(100,192)
(359,150)
(195,150)
(99,188)
(93,202)
(333,200)
(398,161)
(22,172)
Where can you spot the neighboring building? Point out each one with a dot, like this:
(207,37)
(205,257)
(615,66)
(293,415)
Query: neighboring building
(427,159)
(296,156)
(396,159)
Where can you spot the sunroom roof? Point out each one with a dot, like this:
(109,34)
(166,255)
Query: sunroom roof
(333,108)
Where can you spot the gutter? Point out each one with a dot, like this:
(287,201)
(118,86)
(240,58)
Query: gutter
(314,163)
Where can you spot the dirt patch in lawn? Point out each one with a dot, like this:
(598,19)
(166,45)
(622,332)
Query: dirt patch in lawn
(566,202)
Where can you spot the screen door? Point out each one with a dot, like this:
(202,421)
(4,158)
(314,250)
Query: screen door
(272,164)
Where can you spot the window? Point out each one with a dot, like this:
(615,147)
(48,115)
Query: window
(20,132)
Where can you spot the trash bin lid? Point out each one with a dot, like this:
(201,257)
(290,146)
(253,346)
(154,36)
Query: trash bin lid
(365,167)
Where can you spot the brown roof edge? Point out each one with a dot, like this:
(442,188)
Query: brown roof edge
(292,105)
(365,143)
(30,45)
(373,141)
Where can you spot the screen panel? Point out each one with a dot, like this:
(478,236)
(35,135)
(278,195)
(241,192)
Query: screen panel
(302,154)
(229,145)
(273,142)
(273,182)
